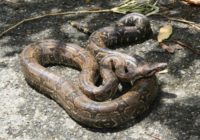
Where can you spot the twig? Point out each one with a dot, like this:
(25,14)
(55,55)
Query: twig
(152,136)
(52,14)
(195,25)
(124,7)
(187,46)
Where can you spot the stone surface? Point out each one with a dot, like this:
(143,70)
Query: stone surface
(26,114)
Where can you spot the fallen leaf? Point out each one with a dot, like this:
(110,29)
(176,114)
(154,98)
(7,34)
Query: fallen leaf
(193,2)
(167,48)
(164,33)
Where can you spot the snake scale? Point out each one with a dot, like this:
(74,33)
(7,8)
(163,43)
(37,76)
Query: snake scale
(90,104)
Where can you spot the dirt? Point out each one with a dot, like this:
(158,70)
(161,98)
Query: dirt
(26,114)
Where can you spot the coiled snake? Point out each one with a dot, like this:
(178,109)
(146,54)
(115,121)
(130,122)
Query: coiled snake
(91,104)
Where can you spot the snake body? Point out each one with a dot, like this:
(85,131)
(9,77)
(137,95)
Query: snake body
(91,104)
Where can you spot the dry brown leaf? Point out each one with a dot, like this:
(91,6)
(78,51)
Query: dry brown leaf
(164,32)
(193,2)
(167,48)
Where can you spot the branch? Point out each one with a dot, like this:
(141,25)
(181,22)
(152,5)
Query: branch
(195,51)
(49,15)
(195,25)
(125,7)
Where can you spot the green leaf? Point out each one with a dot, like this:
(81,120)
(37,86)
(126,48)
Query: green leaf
(132,6)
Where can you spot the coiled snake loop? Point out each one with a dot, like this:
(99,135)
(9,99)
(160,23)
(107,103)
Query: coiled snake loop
(91,104)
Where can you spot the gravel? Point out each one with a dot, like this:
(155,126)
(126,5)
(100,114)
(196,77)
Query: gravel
(26,114)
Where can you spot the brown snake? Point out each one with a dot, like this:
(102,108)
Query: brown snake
(90,104)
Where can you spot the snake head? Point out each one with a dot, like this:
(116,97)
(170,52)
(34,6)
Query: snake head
(149,70)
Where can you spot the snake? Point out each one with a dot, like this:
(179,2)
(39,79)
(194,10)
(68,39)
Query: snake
(93,105)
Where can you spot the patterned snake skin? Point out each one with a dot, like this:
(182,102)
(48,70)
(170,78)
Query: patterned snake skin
(92,105)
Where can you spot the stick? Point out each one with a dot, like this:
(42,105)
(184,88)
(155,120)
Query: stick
(156,138)
(127,6)
(49,15)
(188,47)
(195,25)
